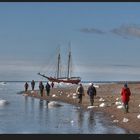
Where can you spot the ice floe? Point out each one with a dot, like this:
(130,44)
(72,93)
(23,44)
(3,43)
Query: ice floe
(3,83)
(89,107)
(74,96)
(102,105)
(53,95)
(125,120)
(120,106)
(112,116)
(115,121)
(68,95)
(101,100)
(118,103)
(138,116)
(54,104)
(3,102)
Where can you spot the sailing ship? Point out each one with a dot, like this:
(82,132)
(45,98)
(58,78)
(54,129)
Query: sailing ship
(68,78)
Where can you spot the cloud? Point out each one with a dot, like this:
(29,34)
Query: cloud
(91,31)
(127,31)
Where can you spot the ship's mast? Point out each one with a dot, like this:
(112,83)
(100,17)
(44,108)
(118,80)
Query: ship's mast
(58,63)
(69,59)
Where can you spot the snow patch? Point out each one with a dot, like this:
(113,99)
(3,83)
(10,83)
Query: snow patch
(125,120)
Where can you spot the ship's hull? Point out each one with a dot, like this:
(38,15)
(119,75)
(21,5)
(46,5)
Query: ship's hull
(69,80)
(72,80)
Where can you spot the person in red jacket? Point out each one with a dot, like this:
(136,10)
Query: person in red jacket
(125,93)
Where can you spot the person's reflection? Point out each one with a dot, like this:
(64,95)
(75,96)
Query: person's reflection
(41,106)
(91,120)
(46,113)
(41,103)
(80,118)
(26,104)
(32,104)
(47,102)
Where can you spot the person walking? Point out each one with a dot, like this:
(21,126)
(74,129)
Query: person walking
(80,92)
(91,92)
(32,84)
(41,88)
(48,89)
(52,84)
(125,93)
(26,86)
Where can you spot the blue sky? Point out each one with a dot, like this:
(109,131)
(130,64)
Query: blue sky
(105,39)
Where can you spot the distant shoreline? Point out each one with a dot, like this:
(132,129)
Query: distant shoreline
(118,82)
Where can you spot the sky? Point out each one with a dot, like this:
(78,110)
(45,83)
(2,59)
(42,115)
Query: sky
(104,36)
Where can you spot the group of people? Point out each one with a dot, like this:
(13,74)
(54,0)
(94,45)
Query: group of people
(27,85)
(91,92)
(41,87)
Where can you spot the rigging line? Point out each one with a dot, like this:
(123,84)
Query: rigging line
(69,57)
(58,62)
(48,65)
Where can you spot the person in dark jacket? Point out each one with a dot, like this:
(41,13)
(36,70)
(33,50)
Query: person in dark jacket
(32,84)
(125,93)
(91,92)
(80,92)
(52,84)
(48,89)
(41,88)
(26,86)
